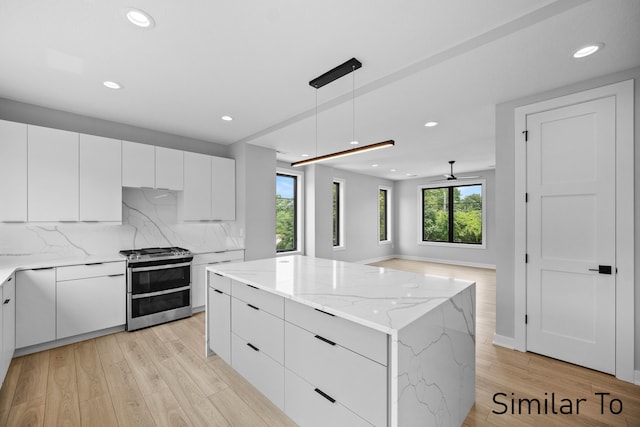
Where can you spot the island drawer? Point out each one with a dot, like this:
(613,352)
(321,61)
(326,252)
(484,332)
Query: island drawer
(359,383)
(264,300)
(361,339)
(258,327)
(220,282)
(309,406)
(260,370)
(86,271)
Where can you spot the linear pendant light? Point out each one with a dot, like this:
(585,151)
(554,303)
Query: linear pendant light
(326,78)
(344,153)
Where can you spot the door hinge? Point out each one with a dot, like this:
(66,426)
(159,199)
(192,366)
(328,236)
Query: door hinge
(526,135)
(526,258)
(526,319)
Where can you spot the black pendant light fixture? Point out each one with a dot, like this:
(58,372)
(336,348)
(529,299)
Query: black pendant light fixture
(320,81)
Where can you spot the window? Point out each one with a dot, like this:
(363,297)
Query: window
(453,214)
(384,215)
(287,212)
(337,196)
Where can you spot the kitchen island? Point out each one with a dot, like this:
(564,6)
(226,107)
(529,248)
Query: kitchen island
(335,343)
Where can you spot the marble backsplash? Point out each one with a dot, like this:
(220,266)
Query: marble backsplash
(149,219)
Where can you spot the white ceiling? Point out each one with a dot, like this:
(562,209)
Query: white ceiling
(449,61)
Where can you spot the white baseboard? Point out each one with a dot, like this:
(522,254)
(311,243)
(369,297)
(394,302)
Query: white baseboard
(447,261)
(502,341)
(636,380)
(372,260)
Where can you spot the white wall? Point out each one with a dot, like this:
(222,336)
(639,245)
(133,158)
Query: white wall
(409,230)
(505,215)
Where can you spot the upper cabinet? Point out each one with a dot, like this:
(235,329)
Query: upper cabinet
(169,169)
(138,165)
(100,179)
(223,189)
(209,188)
(13,171)
(147,166)
(52,174)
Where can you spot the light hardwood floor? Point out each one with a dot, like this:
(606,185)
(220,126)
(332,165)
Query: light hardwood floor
(160,377)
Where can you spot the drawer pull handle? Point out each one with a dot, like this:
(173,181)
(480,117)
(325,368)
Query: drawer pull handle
(251,286)
(325,340)
(7,301)
(218,274)
(218,291)
(324,312)
(253,346)
(95,263)
(43,268)
(9,279)
(253,306)
(116,275)
(325,395)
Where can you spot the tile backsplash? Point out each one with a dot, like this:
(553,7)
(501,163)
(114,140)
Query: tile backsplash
(149,219)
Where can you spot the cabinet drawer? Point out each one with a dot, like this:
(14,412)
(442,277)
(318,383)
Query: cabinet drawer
(361,339)
(308,408)
(216,257)
(358,383)
(264,300)
(219,324)
(263,372)
(85,271)
(216,281)
(258,327)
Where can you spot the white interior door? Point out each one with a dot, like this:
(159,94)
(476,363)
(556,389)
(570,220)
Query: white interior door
(571,233)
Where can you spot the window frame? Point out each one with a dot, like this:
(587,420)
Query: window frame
(388,211)
(341,201)
(456,183)
(299,209)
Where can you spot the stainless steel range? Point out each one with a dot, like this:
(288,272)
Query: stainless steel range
(158,285)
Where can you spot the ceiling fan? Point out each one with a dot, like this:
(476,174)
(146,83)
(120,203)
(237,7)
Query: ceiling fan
(452,177)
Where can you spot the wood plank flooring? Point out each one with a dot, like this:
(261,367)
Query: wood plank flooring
(160,377)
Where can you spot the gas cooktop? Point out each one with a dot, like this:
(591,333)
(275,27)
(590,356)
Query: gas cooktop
(146,254)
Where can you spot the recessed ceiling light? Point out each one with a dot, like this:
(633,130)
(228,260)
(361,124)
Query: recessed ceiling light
(431,124)
(304,155)
(227,118)
(112,85)
(374,166)
(354,143)
(411,174)
(392,170)
(587,50)
(140,18)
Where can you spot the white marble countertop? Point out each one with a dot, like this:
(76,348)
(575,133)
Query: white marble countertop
(383,299)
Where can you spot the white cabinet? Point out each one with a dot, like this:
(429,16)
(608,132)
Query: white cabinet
(100,179)
(223,189)
(7,324)
(13,171)
(35,306)
(147,166)
(138,165)
(52,174)
(93,297)
(209,188)
(196,197)
(169,169)
(219,318)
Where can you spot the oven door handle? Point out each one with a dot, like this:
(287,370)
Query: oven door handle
(156,294)
(159,267)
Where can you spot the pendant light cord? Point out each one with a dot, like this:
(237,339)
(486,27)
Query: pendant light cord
(316,122)
(353,102)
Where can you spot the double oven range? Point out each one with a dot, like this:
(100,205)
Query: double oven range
(158,285)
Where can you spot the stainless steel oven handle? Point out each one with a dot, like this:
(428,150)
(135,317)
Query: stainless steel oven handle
(156,294)
(159,267)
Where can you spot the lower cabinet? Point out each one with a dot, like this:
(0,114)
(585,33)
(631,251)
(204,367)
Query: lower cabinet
(199,273)
(35,306)
(219,322)
(260,370)
(91,304)
(310,406)
(8,324)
